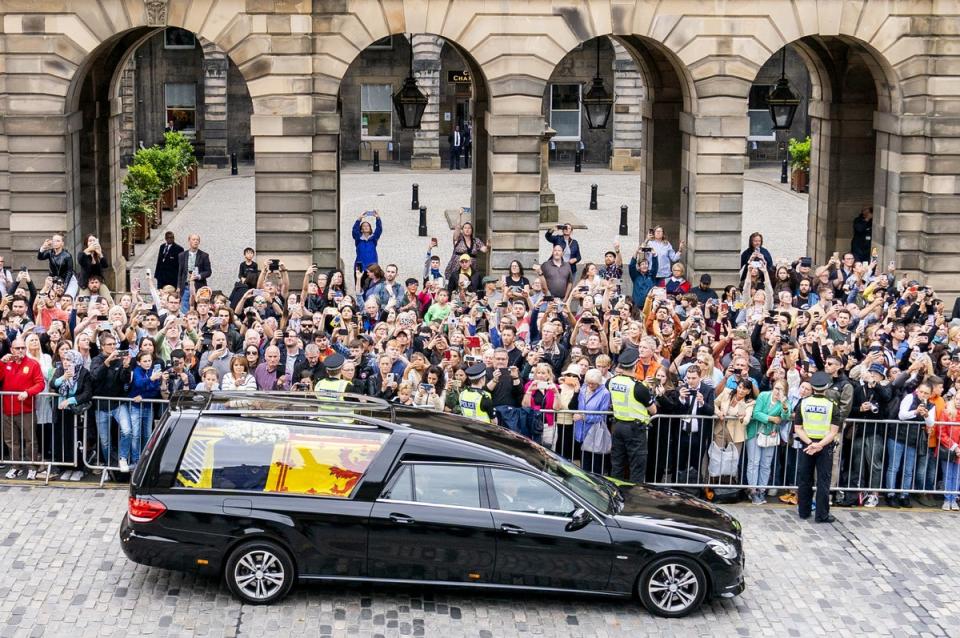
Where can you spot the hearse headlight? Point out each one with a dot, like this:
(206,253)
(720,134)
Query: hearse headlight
(723,549)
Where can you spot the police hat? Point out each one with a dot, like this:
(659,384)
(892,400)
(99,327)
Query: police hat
(476,371)
(821,380)
(628,358)
(333,363)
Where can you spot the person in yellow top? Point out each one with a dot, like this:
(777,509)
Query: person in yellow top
(475,401)
(632,405)
(817,422)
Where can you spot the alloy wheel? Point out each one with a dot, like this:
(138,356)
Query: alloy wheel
(673,588)
(259,574)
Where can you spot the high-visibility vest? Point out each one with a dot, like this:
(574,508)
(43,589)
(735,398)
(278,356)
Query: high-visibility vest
(817,413)
(470,405)
(330,389)
(625,406)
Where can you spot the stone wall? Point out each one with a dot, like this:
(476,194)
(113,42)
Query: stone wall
(59,155)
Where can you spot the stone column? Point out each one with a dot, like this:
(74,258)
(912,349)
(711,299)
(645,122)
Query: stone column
(4,191)
(712,188)
(215,66)
(426,70)
(515,141)
(549,211)
(128,109)
(629,95)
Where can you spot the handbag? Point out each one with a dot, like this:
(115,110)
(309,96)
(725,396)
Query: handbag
(79,409)
(598,439)
(768,440)
(722,461)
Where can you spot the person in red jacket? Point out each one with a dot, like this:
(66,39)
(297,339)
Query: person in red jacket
(20,381)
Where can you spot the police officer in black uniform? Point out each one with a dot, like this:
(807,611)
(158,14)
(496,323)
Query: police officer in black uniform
(817,422)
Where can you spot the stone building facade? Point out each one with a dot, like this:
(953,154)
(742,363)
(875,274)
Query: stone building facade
(884,108)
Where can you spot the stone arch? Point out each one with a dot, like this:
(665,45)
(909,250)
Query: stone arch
(92,110)
(854,103)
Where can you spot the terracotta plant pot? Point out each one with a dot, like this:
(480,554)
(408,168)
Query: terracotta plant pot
(182,187)
(799,180)
(157,215)
(126,235)
(169,199)
(143,228)
(194,176)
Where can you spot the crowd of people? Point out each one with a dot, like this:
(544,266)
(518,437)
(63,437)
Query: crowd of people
(642,374)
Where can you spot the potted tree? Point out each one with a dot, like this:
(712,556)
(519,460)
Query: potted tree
(800,164)
(131,205)
(179,145)
(164,164)
(142,179)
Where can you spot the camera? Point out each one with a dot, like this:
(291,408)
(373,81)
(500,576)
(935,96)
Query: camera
(273,265)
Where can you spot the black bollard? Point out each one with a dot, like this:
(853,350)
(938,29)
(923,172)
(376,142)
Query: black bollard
(233,164)
(376,161)
(422,230)
(577,159)
(783,172)
(623,221)
(593,197)
(415,198)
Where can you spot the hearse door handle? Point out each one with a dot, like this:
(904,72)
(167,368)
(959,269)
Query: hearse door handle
(512,529)
(401,519)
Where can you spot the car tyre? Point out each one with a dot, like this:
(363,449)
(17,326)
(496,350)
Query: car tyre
(672,586)
(259,572)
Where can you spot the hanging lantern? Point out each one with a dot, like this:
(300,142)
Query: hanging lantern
(597,102)
(410,102)
(782,102)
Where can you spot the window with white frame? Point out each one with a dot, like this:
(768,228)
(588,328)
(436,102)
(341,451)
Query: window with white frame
(376,111)
(565,111)
(181,105)
(758,112)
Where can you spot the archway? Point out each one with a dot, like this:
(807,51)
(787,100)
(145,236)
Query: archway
(849,160)
(772,207)
(98,116)
(458,97)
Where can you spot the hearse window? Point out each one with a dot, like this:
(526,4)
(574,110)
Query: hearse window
(519,492)
(234,454)
(437,485)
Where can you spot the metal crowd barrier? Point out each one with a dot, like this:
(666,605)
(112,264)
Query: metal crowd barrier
(875,457)
(695,453)
(118,427)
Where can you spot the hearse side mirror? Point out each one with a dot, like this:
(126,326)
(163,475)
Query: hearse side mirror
(580,519)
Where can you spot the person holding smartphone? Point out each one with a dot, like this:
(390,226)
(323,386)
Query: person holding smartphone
(365,238)
(570,248)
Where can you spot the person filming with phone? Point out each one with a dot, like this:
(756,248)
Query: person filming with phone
(569,245)
(365,237)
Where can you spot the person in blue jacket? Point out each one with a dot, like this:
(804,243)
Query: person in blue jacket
(644,275)
(136,417)
(366,238)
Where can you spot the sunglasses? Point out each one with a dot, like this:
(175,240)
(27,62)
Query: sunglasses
(252,352)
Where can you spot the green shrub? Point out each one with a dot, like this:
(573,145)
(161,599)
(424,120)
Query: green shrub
(180,144)
(133,202)
(164,163)
(800,153)
(143,178)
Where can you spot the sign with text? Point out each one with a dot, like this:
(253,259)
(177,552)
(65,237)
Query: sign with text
(459,77)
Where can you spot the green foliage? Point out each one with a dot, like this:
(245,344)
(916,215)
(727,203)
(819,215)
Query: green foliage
(164,163)
(179,144)
(132,204)
(143,178)
(800,153)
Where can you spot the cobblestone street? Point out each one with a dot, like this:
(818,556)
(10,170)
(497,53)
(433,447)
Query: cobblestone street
(872,573)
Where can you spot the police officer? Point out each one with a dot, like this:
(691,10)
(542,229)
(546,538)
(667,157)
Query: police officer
(332,387)
(475,401)
(817,423)
(632,406)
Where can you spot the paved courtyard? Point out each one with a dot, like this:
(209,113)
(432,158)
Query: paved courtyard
(876,573)
(222,211)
